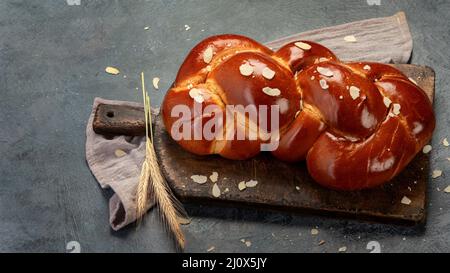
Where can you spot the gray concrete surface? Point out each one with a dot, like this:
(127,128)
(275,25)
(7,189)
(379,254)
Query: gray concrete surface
(52,60)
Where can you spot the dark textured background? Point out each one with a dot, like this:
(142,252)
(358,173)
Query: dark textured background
(52,60)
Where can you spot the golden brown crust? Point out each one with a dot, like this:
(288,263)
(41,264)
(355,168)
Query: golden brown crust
(356,124)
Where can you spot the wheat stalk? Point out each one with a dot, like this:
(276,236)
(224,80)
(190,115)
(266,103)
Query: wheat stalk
(152,183)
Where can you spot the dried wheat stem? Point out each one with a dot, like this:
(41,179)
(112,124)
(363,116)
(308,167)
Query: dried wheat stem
(152,183)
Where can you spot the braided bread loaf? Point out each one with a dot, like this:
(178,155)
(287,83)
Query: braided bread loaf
(357,125)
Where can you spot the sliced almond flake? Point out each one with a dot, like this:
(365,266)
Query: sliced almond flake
(418,127)
(396,109)
(321,242)
(248,243)
(325,71)
(112,70)
(146,28)
(119,153)
(413,81)
(199,179)
(350,39)
(367,67)
(283,105)
(194,92)
(156,82)
(190,86)
(226,190)
(242,186)
(211,249)
(208,68)
(314,231)
(323,83)
(406,201)
(251,184)
(297,113)
(184,221)
(313,78)
(427,148)
(214,176)
(215,190)
(246,69)
(273,92)
(342,249)
(354,92)
(207,55)
(297,188)
(196,95)
(268,73)
(387,101)
(303,45)
(436,173)
(445,142)
(243,240)
(447,190)
(323,60)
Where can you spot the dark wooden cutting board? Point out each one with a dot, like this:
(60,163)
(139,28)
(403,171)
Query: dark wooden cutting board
(281,185)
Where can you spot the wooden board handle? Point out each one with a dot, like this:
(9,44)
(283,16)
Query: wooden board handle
(119,120)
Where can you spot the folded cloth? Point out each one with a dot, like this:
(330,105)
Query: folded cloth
(116,162)
(385,40)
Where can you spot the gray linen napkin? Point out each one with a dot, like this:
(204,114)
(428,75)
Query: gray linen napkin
(116,162)
(385,40)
